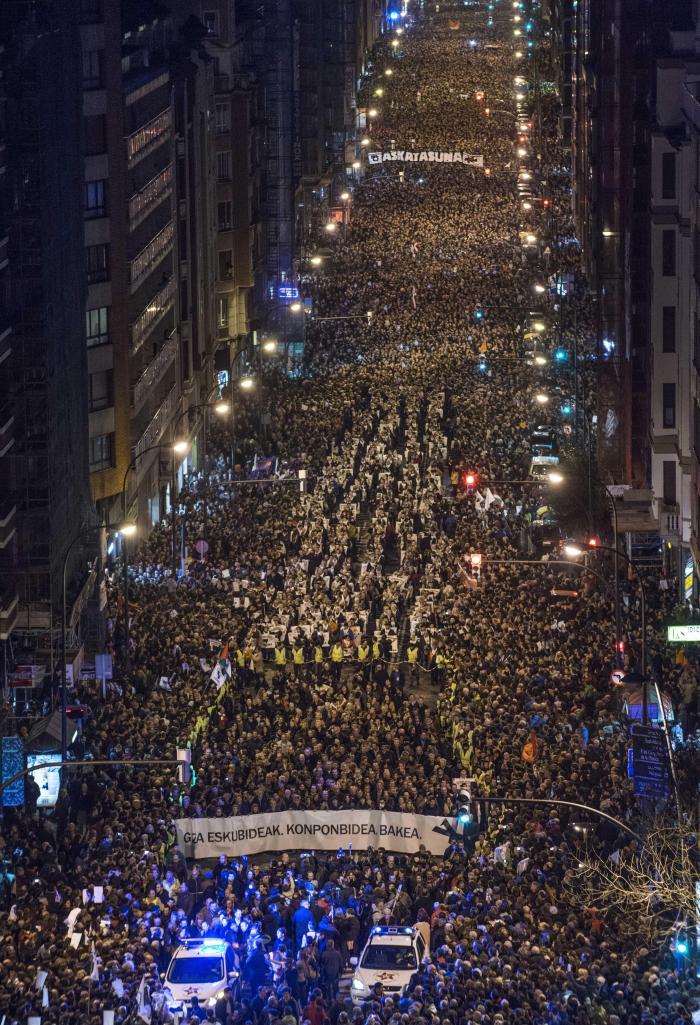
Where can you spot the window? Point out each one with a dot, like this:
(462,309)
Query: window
(97,326)
(95,199)
(668,329)
(97,259)
(668,176)
(669,405)
(669,472)
(223,215)
(223,165)
(90,11)
(668,252)
(101,452)
(223,311)
(210,20)
(225,265)
(93,62)
(95,134)
(100,390)
(223,117)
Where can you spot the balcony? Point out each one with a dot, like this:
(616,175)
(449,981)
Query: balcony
(8,521)
(154,372)
(5,342)
(144,140)
(7,421)
(151,195)
(158,423)
(154,312)
(9,603)
(149,257)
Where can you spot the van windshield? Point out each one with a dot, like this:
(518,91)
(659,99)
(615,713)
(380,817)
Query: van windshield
(380,955)
(198,970)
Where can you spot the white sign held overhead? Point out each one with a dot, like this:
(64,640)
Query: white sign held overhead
(427,157)
(315,830)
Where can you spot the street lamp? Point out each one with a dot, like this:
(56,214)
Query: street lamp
(126,530)
(331,227)
(541,398)
(316,261)
(270,345)
(247,382)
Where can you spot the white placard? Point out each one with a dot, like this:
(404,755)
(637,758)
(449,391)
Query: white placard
(315,830)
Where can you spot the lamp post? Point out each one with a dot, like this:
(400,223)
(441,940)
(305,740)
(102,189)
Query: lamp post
(126,529)
(575,551)
(221,408)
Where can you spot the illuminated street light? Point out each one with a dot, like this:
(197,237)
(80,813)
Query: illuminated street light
(316,261)
(555,478)
(356,165)
(539,326)
(270,345)
(389,71)
(531,239)
(127,529)
(573,551)
(345,196)
(379,92)
(331,227)
(540,289)
(295,307)
(394,43)
(180,448)
(364,142)
(222,408)
(373,112)
(541,361)
(541,398)
(247,382)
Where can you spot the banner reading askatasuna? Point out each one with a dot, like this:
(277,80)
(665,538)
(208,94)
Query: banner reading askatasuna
(313,830)
(428,157)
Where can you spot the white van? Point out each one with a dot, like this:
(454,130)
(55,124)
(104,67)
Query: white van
(392,954)
(199,968)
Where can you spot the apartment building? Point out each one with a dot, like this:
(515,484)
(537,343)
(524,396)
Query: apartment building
(674,301)
(44,496)
(148,222)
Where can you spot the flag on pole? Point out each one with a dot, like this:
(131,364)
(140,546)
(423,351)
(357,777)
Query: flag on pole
(218,676)
(95,973)
(529,753)
(143,1008)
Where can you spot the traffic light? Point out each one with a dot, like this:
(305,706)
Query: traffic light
(469,480)
(566,409)
(593,542)
(560,355)
(479,314)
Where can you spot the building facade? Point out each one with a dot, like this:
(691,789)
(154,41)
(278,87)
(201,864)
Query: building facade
(43,369)
(149,228)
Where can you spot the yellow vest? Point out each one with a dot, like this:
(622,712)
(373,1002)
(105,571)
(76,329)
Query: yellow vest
(337,653)
(363,652)
(439,661)
(318,654)
(413,655)
(375,649)
(280,656)
(298,654)
(240,658)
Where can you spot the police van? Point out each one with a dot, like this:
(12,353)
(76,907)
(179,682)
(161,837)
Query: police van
(199,968)
(392,954)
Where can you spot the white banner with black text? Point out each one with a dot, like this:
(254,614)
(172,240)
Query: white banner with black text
(313,830)
(427,157)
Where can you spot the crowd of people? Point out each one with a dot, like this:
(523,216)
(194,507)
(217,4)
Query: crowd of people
(339,648)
